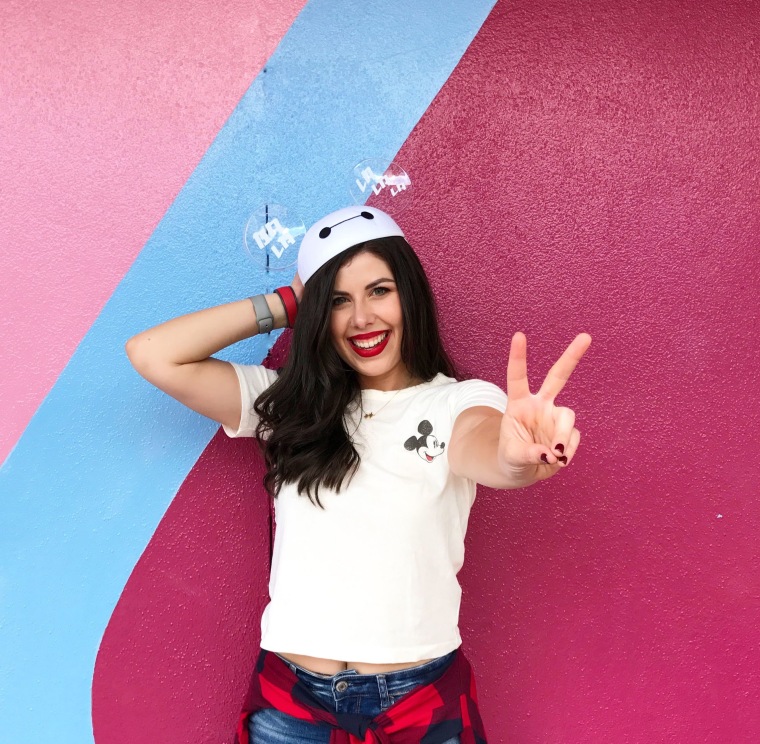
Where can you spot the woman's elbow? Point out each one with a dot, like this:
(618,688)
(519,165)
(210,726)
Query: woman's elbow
(138,351)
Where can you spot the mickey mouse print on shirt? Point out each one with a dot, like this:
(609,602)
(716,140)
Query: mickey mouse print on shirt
(427,445)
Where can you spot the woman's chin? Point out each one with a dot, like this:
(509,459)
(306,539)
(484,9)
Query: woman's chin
(382,377)
(384,366)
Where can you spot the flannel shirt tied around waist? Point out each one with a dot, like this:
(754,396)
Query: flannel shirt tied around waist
(433,713)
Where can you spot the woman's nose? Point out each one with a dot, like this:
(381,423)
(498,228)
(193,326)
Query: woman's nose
(362,315)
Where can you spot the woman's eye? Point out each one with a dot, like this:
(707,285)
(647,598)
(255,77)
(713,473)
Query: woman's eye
(337,301)
(382,290)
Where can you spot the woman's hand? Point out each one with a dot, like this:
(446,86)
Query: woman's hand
(537,438)
(297,286)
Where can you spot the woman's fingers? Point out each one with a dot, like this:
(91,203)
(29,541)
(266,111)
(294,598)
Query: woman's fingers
(572,446)
(564,421)
(564,366)
(554,439)
(542,455)
(519,453)
(297,286)
(563,460)
(517,369)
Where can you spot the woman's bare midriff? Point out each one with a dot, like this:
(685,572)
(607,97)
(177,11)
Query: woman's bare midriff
(331,666)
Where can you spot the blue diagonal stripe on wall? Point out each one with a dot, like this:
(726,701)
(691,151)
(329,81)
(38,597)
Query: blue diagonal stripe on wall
(86,485)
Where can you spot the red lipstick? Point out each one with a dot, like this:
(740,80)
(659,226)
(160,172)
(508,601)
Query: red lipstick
(371,334)
(375,350)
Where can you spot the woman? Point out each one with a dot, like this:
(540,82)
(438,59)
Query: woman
(373,452)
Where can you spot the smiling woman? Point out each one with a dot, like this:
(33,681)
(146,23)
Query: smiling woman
(367,435)
(367,323)
(375,287)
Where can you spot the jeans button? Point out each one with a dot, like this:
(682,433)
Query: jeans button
(342,686)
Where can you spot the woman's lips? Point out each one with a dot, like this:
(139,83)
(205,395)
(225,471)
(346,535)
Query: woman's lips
(375,350)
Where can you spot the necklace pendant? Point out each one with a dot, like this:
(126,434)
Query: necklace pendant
(368,415)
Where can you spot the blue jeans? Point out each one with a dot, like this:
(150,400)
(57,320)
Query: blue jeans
(345,692)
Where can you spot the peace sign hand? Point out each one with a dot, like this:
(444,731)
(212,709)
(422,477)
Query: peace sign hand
(537,438)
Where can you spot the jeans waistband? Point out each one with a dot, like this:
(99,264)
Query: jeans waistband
(403,678)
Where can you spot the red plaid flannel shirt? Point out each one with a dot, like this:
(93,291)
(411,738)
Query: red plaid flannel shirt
(432,713)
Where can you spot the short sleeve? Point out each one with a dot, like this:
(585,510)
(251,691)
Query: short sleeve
(471,393)
(254,380)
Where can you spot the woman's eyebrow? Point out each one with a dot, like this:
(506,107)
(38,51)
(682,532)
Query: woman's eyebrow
(369,286)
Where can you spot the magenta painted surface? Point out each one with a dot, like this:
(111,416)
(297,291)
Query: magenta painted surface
(588,167)
(105,113)
(593,167)
(180,647)
(177,656)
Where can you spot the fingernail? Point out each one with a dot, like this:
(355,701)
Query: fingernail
(563,460)
(559,447)
(544,458)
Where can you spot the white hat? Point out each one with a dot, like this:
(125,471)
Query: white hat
(339,231)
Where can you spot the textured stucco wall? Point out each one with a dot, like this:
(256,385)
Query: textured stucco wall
(583,166)
(593,167)
(102,458)
(107,108)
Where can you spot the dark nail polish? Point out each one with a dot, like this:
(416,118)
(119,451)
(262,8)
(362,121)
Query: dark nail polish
(559,447)
(544,458)
(563,460)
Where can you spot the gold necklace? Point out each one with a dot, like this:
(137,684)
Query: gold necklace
(370,414)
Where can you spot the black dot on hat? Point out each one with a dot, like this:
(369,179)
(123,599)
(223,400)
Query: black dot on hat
(368,215)
(324,232)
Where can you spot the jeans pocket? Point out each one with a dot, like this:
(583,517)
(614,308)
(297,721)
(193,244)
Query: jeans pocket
(398,694)
(272,726)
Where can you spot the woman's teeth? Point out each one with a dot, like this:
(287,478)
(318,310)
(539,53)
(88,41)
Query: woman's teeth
(370,343)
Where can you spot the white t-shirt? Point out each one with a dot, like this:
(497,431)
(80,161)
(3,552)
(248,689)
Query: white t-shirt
(373,577)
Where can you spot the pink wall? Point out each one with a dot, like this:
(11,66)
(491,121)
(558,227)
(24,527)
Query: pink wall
(589,166)
(106,112)
(593,167)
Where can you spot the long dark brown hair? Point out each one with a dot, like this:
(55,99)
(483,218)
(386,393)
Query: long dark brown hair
(301,426)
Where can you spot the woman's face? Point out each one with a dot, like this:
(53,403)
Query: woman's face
(366,322)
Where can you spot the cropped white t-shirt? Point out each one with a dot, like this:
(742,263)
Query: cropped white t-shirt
(373,577)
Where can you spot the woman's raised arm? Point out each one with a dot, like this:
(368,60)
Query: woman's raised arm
(175,356)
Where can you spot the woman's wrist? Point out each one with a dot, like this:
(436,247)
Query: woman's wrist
(276,312)
(289,301)
(279,308)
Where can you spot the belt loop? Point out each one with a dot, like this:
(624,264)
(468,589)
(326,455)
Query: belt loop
(385,701)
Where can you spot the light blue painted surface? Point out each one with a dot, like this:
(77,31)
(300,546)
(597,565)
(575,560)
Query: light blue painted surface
(88,482)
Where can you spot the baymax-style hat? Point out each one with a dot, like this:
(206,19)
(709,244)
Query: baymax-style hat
(339,231)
